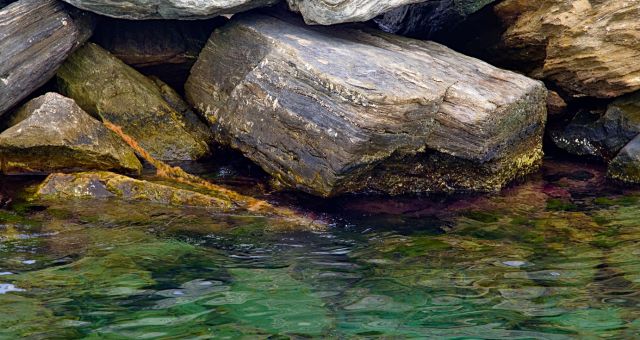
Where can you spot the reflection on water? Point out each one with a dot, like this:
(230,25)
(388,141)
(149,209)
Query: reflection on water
(555,257)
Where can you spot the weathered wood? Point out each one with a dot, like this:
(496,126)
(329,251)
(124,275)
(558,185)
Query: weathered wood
(168,9)
(333,110)
(36,36)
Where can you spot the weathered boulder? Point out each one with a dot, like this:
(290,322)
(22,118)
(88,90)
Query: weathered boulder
(168,9)
(591,133)
(36,36)
(51,133)
(586,47)
(156,117)
(625,167)
(334,110)
(428,19)
(101,185)
(330,12)
(164,48)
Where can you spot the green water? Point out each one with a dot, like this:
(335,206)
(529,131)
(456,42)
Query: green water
(554,257)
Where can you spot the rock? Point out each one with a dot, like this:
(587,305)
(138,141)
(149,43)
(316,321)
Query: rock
(51,133)
(101,185)
(36,36)
(165,48)
(331,12)
(556,106)
(168,9)
(428,19)
(334,110)
(591,133)
(104,86)
(625,167)
(586,47)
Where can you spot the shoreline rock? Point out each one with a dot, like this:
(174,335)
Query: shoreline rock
(336,110)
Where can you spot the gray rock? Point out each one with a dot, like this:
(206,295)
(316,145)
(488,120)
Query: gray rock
(147,110)
(164,48)
(36,36)
(430,18)
(330,12)
(168,9)
(625,167)
(51,133)
(334,110)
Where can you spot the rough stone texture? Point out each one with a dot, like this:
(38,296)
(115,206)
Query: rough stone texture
(51,133)
(102,185)
(625,167)
(36,36)
(168,9)
(330,12)
(106,87)
(586,47)
(333,110)
(601,136)
(428,19)
(556,106)
(165,48)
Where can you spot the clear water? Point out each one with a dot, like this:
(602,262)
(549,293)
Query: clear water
(555,257)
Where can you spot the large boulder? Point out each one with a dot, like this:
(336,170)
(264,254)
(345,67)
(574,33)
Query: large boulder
(36,36)
(330,12)
(164,48)
(334,110)
(51,133)
(429,19)
(586,47)
(154,115)
(168,9)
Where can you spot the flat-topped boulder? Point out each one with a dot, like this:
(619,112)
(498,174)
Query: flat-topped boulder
(144,108)
(168,9)
(334,110)
(51,133)
(36,36)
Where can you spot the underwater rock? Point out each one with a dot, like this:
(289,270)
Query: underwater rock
(601,136)
(334,110)
(165,48)
(330,12)
(427,19)
(51,134)
(586,47)
(106,87)
(100,185)
(168,9)
(625,167)
(36,36)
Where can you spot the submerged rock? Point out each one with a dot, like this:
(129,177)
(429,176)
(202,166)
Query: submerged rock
(100,185)
(337,110)
(104,86)
(168,9)
(586,47)
(166,48)
(51,133)
(330,12)
(428,19)
(36,36)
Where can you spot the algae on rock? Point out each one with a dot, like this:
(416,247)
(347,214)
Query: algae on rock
(107,88)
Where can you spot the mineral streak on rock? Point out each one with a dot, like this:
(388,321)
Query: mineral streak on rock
(36,36)
(168,9)
(51,133)
(334,110)
(330,12)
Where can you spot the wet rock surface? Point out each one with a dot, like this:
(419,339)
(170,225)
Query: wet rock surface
(625,167)
(51,133)
(340,110)
(328,12)
(587,48)
(165,48)
(154,115)
(428,19)
(168,9)
(36,36)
